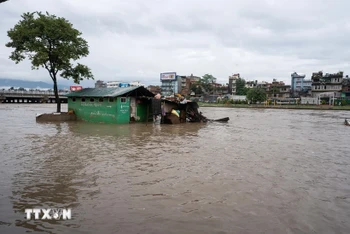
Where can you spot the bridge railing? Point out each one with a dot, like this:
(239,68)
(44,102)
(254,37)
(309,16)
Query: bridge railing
(33,92)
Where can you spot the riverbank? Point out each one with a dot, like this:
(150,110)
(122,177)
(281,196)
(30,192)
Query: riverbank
(297,107)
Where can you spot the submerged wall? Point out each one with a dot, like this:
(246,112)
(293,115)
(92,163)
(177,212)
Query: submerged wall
(94,109)
(59,117)
(108,110)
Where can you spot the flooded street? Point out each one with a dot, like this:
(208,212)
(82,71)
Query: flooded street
(265,171)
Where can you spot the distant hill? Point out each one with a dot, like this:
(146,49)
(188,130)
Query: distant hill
(28,84)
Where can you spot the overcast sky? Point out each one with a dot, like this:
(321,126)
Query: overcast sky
(138,39)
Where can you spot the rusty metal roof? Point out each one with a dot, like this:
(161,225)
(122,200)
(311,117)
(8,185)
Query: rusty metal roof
(111,92)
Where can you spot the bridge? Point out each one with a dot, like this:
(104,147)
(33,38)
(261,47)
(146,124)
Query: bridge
(37,96)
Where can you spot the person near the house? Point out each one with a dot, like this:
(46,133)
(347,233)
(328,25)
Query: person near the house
(156,109)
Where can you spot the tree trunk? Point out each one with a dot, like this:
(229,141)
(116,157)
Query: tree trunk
(55,89)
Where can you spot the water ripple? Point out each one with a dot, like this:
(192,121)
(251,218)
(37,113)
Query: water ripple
(265,171)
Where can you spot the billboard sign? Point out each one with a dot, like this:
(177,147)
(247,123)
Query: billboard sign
(76,88)
(168,76)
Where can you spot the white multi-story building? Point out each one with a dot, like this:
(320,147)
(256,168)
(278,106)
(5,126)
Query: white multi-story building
(232,88)
(113,84)
(256,84)
(251,84)
(328,83)
(136,83)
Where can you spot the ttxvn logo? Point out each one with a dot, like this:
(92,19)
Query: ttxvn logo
(50,213)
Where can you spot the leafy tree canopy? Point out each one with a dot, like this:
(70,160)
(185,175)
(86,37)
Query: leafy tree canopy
(196,88)
(206,82)
(50,42)
(240,87)
(256,95)
(208,78)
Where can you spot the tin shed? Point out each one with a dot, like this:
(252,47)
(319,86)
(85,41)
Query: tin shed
(118,105)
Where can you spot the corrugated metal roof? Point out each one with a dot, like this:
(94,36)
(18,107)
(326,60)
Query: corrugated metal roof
(105,92)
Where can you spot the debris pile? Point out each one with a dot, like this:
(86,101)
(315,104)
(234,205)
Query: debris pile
(192,114)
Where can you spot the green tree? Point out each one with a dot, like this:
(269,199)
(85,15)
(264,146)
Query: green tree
(256,95)
(196,88)
(206,82)
(240,87)
(52,43)
(208,79)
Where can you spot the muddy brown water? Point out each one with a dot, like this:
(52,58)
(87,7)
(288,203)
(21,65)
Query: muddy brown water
(265,171)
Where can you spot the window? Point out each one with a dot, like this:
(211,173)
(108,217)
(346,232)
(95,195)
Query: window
(123,99)
(100,99)
(111,99)
(73,99)
(83,99)
(92,100)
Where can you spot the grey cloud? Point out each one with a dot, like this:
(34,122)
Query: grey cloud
(118,25)
(260,39)
(184,23)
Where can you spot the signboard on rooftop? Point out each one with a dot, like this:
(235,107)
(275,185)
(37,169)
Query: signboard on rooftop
(168,76)
(76,88)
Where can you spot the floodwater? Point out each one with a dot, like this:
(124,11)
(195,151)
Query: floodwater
(265,171)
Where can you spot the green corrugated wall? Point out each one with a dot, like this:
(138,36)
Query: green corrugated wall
(123,110)
(108,110)
(97,111)
(141,112)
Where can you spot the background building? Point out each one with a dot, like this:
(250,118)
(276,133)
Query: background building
(171,84)
(278,89)
(232,83)
(346,87)
(154,89)
(111,84)
(251,84)
(185,85)
(100,84)
(328,83)
(300,86)
(193,78)
(176,84)
(306,88)
(136,83)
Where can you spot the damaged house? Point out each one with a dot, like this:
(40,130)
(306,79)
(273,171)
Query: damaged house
(118,105)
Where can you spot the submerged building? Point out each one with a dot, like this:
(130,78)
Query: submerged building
(118,105)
